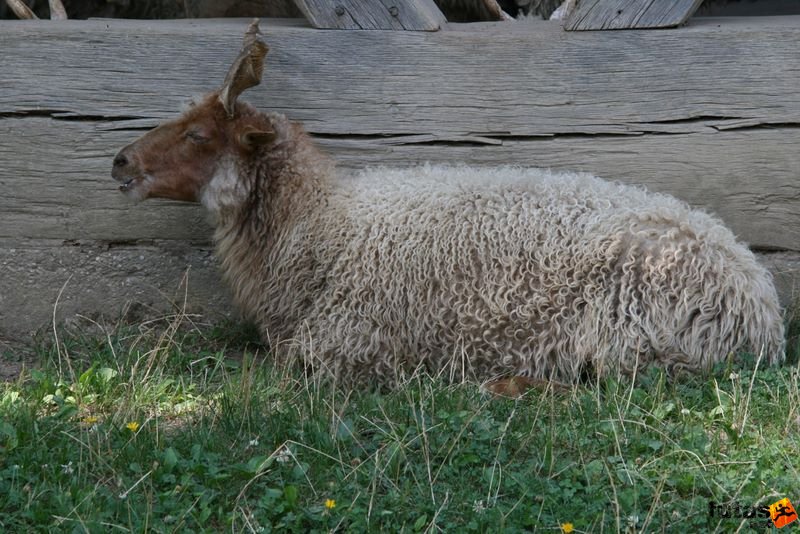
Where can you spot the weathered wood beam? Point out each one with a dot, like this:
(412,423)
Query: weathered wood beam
(21,10)
(747,177)
(417,15)
(609,92)
(57,11)
(512,79)
(629,14)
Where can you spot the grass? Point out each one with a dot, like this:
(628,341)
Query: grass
(173,427)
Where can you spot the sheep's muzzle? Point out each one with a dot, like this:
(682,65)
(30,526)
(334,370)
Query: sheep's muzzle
(122,171)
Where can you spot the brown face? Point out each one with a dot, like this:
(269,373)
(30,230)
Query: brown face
(177,159)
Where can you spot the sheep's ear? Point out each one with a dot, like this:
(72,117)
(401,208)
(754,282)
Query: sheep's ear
(253,138)
(246,70)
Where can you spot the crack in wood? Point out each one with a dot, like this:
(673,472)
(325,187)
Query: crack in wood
(64,115)
(720,123)
(109,244)
(477,139)
(695,119)
(765,125)
(650,128)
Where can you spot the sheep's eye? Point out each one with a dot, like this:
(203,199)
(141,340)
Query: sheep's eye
(196,137)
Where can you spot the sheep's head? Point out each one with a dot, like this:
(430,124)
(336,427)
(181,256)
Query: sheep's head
(177,159)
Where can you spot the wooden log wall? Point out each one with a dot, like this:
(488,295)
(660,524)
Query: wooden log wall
(709,112)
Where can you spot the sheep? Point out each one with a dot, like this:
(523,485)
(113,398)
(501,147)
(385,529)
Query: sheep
(504,271)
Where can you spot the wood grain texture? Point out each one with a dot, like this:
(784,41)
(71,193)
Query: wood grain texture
(747,177)
(722,135)
(496,79)
(629,14)
(415,15)
(709,113)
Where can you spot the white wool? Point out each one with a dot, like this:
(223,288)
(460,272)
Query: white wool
(225,190)
(516,271)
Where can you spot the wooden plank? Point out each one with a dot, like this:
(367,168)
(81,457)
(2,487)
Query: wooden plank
(391,84)
(417,15)
(57,11)
(514,79)
(21,10)
(629,14)
(747,177)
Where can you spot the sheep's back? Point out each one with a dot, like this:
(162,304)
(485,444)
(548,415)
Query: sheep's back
(529,271)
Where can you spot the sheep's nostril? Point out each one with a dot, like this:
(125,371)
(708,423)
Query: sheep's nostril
(120,161)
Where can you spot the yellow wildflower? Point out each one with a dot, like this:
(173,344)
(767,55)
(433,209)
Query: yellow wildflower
(566,528)
(330,504)
(133,426)
(90,419)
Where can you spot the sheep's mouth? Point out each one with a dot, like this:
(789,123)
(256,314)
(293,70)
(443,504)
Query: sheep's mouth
(131,183)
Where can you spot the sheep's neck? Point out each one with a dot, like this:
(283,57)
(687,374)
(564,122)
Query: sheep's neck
(287,184)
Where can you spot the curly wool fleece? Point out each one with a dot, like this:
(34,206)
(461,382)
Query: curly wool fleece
(500,271)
